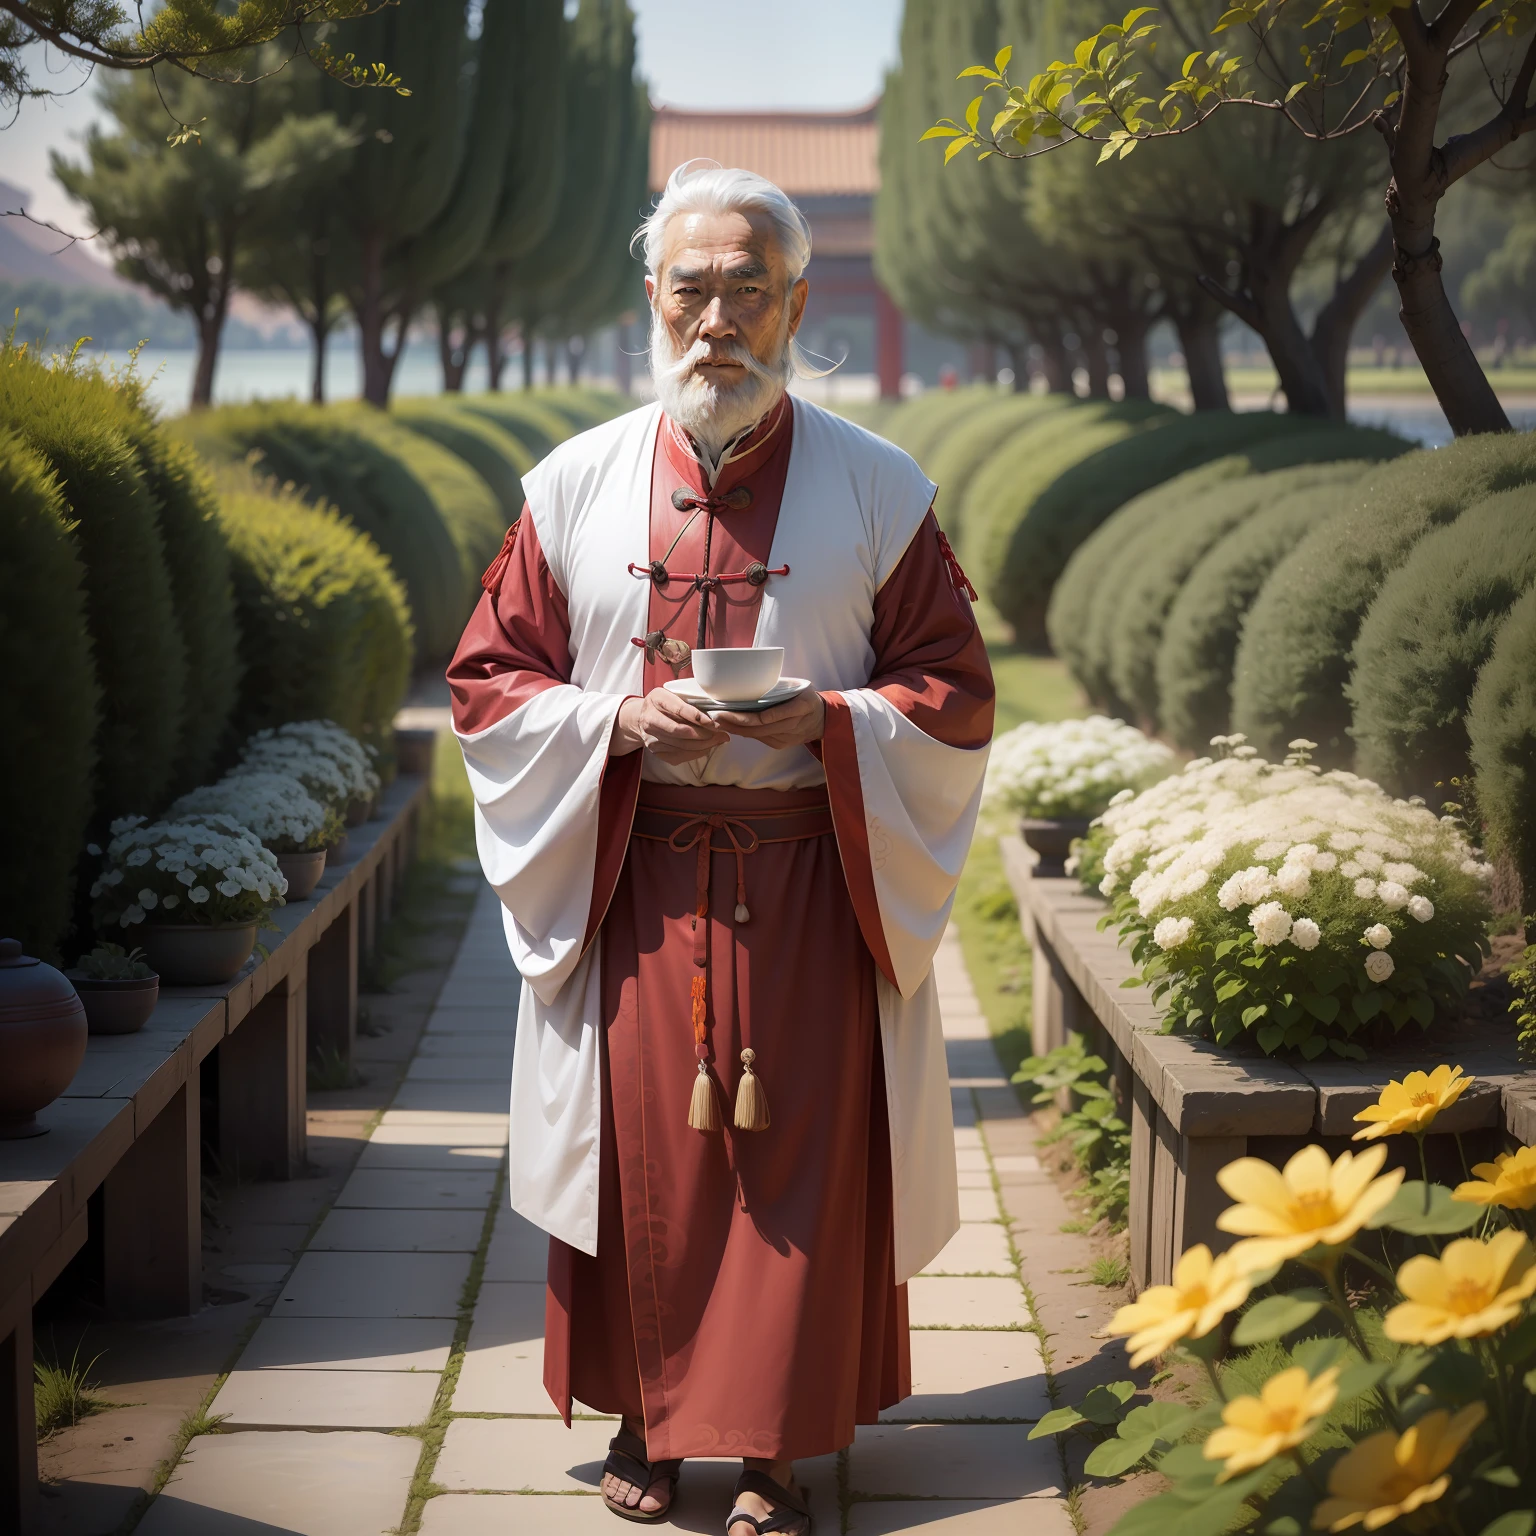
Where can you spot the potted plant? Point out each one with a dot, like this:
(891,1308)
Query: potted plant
(1057,777)
(193,893)
(1278,906)
(119,989)
(304,748)
(289,821)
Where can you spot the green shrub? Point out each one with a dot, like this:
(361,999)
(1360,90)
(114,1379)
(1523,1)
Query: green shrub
(1294,657)
(925,421)
(49,698)
(1200,635)
(1425,639)
(494,454)
(583,407)
(1501,729)
(525,416)
(1141,585)
(332,454)
(197,562)
(140,664)
(1076,617)
(324,623)
(869,414)
(953,464)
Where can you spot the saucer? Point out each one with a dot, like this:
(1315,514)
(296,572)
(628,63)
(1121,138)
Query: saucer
(689,688)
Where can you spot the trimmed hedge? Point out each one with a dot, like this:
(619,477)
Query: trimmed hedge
(1294,659)
(325,452)
(50,700)
(1200,635)
(1501,730)
(324,623)
(872,415)
(1143,581)
(525,416)
(140,664)
(499,458)
(920,425)
(583,407)
(966,447)
(1426,637)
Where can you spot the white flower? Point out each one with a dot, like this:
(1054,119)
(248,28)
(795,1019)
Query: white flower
(1403,873)
(228,888)
(1378,965)
(1370,861)
(1392,895)
(1378,936)
(1365,888)
(171,901)
(1269,850)
(133,914)
(1305,934)
(1108,883)
(198,895)
(1421,908)
(1246,887)
(148,900)
(138,856)
(186,877)
(1325,863)
(1173,931)
(1301,744)
(1271,923)
(94,849)
(1293,879)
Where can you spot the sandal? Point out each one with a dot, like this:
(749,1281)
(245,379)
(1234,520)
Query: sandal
(793,1506)
(626,1460)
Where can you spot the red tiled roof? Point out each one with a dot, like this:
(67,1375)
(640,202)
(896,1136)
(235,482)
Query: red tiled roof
(808,154)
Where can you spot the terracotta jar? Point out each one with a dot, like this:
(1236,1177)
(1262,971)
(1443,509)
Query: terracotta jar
(42,1039)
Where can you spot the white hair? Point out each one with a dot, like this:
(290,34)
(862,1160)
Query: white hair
(706,186)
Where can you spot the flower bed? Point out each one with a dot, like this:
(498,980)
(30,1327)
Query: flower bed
(1070,768)
(275,806)
(1293,909)
(326,759)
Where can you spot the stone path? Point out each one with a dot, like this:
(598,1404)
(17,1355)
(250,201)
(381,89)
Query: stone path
(405,1348)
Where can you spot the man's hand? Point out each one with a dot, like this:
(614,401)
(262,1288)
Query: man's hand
(791,724)
(665,725)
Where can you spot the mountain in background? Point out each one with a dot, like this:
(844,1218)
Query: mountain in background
(33,252)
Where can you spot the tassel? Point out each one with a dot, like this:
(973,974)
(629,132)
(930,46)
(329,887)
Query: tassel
(703,1111)
(751,1100)
(742,915)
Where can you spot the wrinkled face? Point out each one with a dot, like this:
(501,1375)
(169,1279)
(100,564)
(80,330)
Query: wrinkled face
(723,312)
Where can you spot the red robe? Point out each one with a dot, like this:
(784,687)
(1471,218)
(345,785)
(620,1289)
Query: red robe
(742,1300)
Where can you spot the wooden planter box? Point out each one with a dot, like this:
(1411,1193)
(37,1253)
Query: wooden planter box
(1193,1108)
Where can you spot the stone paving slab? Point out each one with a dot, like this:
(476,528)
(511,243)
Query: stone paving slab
(955,1461)
(503,1369)
(444,1046)
(350,1344)
(449,1099)
(507,1455)
(978,1205)
(408,1131)
(286,1483)
(519,1250)
(419,1190)
(458,1069)
(973,1375)
(375,1285)
(301,1399)
(974,1178)
(486,1019)
(936,1301)
(514,1514)
(978,1248)
(960,1517)
(400,1231)
(434,1156)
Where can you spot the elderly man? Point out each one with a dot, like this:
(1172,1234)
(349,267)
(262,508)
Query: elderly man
(730,1108)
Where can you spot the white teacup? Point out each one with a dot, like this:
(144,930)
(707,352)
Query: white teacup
(738,673)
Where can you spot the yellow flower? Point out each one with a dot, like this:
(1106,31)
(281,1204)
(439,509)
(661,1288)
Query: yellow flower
(1204,1290)
(1284,1212)
(1473,1288)
(1411,1105)
(1387,1474)
(1256,1429)
(1509,1180)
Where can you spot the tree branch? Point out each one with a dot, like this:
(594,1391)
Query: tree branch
(1446,27)
(1464,152)
(1235,303)
(1352,293)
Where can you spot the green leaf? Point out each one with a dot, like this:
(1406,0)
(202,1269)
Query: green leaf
(1166,1421)
(1354,56)
(978,69)
(955,146)
(1251,1016)
(1057,1420)
(1367,1004)
(1517,1522)
(1320,1007)
(1296,90)
(972,112)
(1225,948)
(1276,1316)
(1501,1477)
(1316,1355)
(1314,1047)
(1132,17)
(1360,1379)
(1520,1343)
(1106,1404)
(1419,1215)
(1116,1456)
(1270,1037)
(1528,1381)
(939,131)
(1229,989)
(1000,63)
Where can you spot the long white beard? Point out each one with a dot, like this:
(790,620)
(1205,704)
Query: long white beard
(710,414)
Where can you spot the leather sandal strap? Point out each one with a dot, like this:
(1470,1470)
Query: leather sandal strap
(792,1506)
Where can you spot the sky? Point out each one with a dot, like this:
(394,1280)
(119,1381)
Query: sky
(696,53)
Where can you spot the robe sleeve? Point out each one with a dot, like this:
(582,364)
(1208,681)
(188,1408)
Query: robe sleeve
(536,750)
(905,755)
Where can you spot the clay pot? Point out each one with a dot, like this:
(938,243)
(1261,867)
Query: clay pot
(1052,840)
(197,954)
(117,1007)
(338,853)
(413,750)
(302,871)
(42,1039)
(358,811)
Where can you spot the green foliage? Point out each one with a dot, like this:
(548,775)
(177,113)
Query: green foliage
(49,699)
(1032,503)
(325,628)
(525,416)
(1501,728)
(114,319)
(1100,1139)
(111,962)
(1200,635)
(921,424)
(494,454)
(1522,1008)
(1140,585)
(1425,639)
(62,1395)
(1294,658)
(140,664)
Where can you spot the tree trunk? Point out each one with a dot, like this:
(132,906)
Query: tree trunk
(454,358)
(1095,356)
(319,329)
(209,330)
(575,351)
(1336,320)
(1055,364)
(1132,348)
(495,347)
(1200,338)
(550,350)
(373,318)
(527,359)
